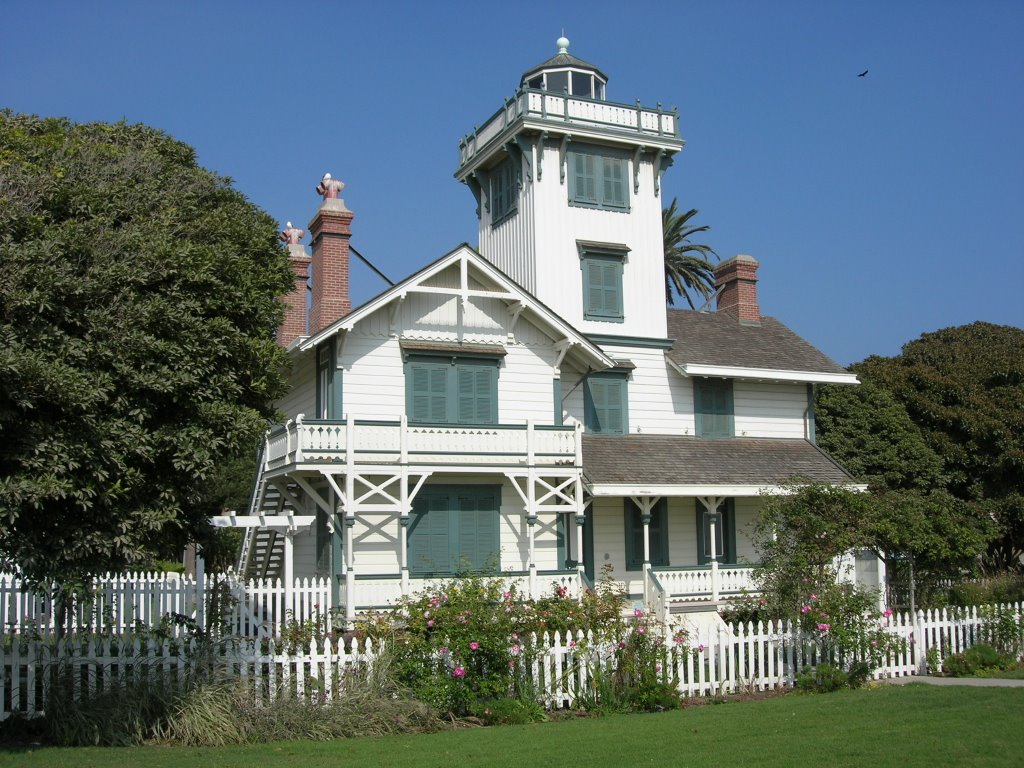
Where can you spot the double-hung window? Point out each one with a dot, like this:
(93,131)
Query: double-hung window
(598,179)
(605,403)
(504,190)
(451,389)
(713,408)
(602,267)
(657,529)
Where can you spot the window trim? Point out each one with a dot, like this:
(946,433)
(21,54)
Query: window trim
(591,420)
(658,528)
(503,177)
(701,417)
(492,493)
(591,256)
(328,383)
(452,364)
(727,517)
(603,162)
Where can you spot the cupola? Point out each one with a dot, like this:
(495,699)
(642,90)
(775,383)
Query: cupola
(564,73)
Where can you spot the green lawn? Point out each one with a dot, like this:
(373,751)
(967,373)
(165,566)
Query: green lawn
(916,725)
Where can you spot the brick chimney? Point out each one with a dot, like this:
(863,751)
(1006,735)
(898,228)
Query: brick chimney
(330,229)
(737,279)
(294,324)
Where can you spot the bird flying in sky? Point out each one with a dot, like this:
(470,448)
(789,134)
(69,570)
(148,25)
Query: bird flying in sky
(862,73)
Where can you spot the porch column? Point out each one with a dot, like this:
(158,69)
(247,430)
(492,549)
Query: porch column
(531,523)
(403,531)
(289,570)
(645,519)
(713,526)
(350,570)
(580,519)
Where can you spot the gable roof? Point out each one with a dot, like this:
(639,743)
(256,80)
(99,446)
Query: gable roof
(716,344)
(510,290)
(685,465)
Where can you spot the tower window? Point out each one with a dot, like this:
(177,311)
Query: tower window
(602,283)
(504,190)
(598,180)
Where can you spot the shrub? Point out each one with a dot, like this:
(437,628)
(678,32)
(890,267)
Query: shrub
(823,678)
(845,626)
(975,660)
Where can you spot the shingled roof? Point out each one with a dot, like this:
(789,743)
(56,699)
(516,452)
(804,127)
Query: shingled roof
(685,460)
(717,338)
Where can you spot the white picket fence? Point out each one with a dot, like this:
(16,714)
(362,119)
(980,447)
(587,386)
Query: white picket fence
(126,602)
(562,667)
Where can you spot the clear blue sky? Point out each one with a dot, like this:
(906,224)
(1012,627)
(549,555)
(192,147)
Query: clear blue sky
(879,207)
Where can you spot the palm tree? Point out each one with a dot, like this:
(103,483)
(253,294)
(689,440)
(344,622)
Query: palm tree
(686,264)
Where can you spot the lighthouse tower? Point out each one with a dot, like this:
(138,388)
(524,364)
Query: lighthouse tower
(568,191)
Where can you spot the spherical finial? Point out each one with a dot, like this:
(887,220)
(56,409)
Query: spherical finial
(563,44)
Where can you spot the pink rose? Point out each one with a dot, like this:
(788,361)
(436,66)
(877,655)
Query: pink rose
(473,646)
(458,672)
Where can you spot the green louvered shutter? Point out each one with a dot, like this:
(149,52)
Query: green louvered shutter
(477,532)
(657,530)
(430,534)
(613,177)
(477,398)
(429,393)
(725,533)
(605,405)
(584,178)
(713,405)
(634,534)
(602,288)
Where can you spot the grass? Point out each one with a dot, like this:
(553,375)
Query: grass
(914,725)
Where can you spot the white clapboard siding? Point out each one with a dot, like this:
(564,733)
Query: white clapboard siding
(769,410)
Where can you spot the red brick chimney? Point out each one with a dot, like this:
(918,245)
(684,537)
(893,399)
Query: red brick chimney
(294,324)
(737,279)
(330,229)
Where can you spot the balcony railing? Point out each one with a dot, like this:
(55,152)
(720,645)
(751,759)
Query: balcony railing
(573,111)
(360,441)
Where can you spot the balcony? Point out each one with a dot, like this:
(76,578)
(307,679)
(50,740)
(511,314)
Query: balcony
(373,442)
(568,114)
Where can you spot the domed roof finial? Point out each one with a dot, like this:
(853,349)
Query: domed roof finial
(563,44)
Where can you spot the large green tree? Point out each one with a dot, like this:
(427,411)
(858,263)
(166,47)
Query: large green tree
(964,389)
(687,266)
(908,514)
(137,311)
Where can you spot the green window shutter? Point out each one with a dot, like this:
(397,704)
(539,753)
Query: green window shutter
(725,539)
(588,543)
(477,394)
(657,531)
(613,177)
(713,407)
(604,405)
(562,541)
(478,535)
(602,287)
(584,178)
(428,392)
(634,537)
(430,533)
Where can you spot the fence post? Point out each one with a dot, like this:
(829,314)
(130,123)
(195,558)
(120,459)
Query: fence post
(200,590)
